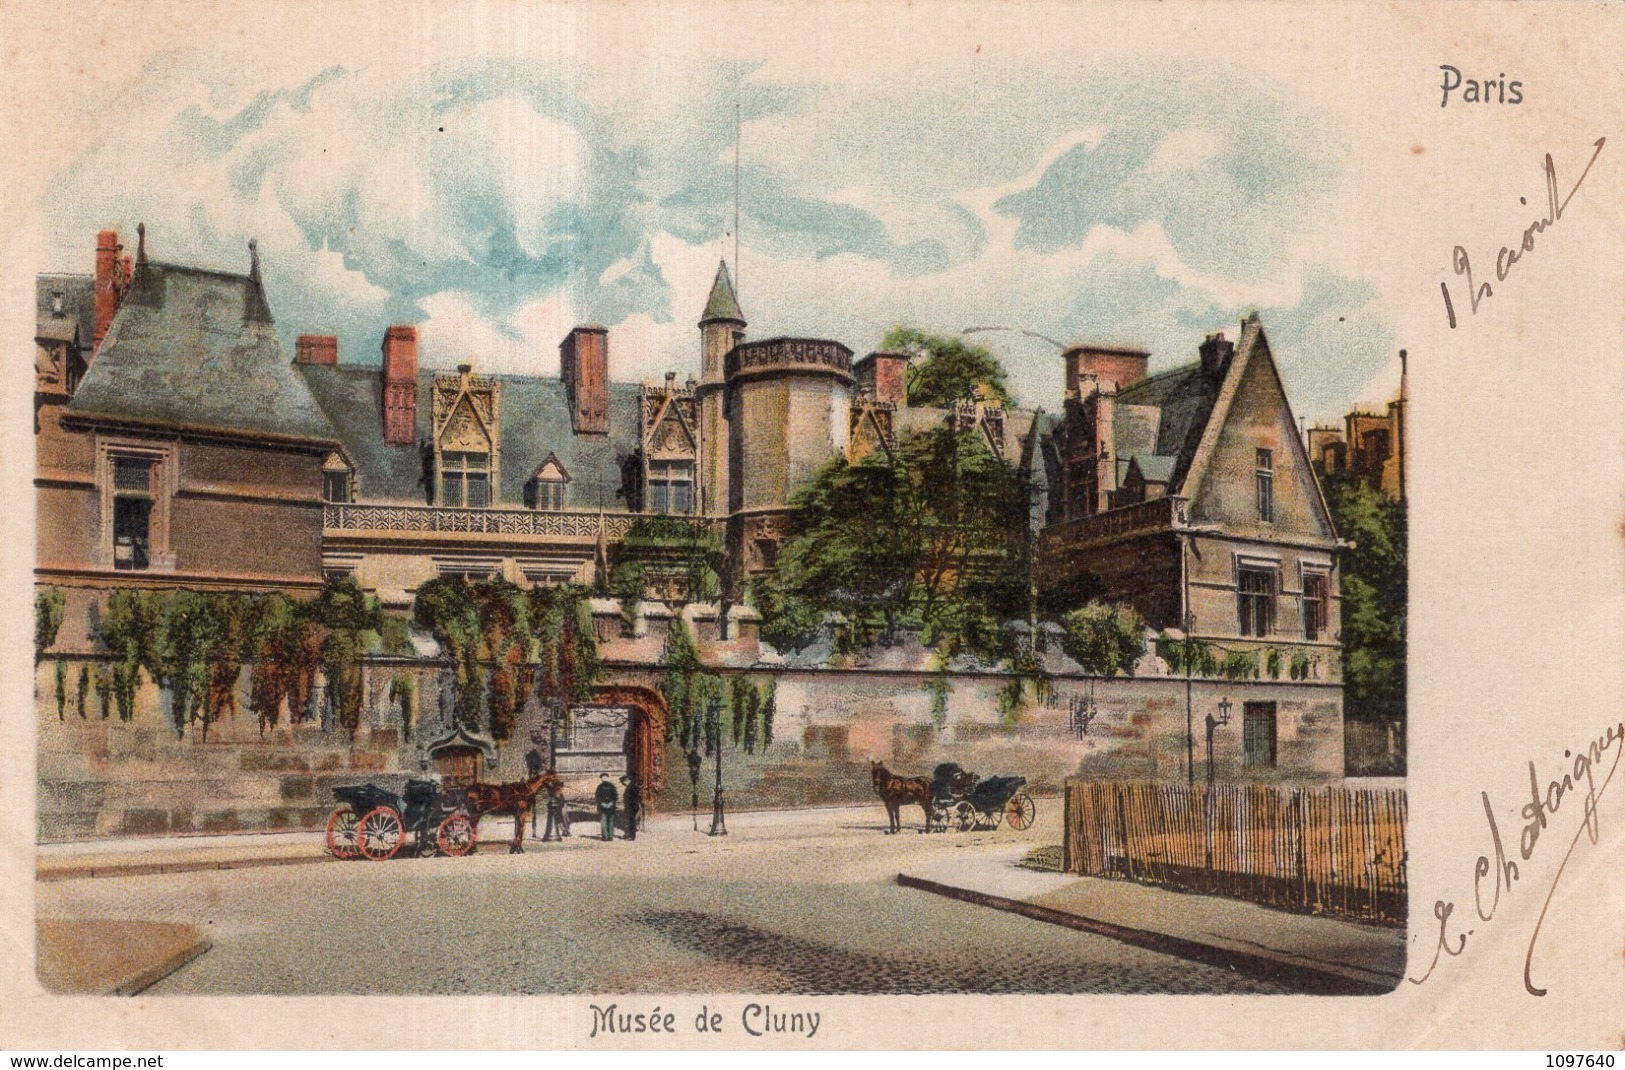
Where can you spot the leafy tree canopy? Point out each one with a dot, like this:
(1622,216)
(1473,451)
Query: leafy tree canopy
(945,369)
(931,535)
(1104,639)
(1375,590)
(49,605)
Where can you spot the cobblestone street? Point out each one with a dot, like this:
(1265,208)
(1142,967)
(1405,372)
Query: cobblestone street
(800,902)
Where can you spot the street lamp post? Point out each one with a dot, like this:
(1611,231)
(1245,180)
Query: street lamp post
(1212,723)
(719,824)
(694,783)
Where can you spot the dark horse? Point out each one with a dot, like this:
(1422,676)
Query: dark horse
(515,798)
(896,790)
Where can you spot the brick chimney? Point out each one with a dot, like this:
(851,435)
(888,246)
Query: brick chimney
(316,349)
(884,374)
(109,281)
(584,367)
(1216,352)
(400,385)
(1108,366)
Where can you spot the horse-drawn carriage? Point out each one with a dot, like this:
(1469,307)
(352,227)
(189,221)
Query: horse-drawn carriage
(374,823)
(960,799)
(955,796)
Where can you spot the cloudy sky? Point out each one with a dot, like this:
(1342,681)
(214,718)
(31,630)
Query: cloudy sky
(496,201)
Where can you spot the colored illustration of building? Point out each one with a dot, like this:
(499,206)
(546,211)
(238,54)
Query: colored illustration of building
(178,446)
(1189,495)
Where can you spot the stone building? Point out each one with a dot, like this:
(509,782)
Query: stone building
(1189,495)
(179,445)
(1369,446)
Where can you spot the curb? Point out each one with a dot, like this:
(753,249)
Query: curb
(148,869)
(147,978)
(1315,980)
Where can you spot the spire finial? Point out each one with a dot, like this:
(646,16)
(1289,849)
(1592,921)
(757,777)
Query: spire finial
(141,244)
(722,304)
(254,259)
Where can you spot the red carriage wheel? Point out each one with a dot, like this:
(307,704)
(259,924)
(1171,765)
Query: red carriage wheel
(380,834)
(341,834)
(456,835)
(1019,811)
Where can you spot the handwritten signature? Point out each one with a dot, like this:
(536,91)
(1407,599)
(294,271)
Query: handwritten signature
(1537,814)
(1507,257)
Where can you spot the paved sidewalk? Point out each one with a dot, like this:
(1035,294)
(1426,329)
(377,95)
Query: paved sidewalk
(1315,954)
(107,957)
(185,854)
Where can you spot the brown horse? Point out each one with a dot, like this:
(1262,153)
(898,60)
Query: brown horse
(516,798)
(896,790)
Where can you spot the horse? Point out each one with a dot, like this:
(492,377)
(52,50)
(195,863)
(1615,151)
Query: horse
(516,798)
(896,790)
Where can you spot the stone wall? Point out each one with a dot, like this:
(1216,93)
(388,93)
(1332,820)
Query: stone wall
(831,723)
(834,714)
(111,778)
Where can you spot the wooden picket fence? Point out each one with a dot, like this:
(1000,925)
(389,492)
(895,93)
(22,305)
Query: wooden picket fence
(1334,850)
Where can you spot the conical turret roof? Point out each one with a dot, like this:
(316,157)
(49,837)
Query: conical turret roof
(723,305)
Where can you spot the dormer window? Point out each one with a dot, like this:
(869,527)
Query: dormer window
(546,490)
(338,480)
(467,442)
(465,479)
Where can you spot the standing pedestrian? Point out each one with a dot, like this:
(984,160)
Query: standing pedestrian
(634,805)
(607,797)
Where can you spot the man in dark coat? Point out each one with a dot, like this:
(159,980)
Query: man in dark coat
(607,797)
(634,805)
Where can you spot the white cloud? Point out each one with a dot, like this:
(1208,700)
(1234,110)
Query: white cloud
(1184,150)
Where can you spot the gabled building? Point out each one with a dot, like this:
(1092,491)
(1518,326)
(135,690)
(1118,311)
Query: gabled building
(186,447)
(177,447)
(1189,495)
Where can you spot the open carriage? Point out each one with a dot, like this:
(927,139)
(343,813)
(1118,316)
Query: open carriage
(960,799)
(374,823)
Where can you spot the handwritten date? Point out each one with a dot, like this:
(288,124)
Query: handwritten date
(1461,263)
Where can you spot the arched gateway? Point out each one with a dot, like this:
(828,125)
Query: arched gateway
(620,723)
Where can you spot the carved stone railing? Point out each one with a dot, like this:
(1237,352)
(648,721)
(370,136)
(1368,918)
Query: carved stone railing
(790,355)
(1158,514)
(501,521)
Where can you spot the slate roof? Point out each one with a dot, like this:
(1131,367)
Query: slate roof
(78,306)
(535,421)
(1185,395)
(197,349)
(722,305)
(914,419)
(1154,467)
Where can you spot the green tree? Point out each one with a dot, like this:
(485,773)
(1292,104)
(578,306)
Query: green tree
(129,628)
(446,608)
(682,558)
(347,622)
(402,692)
(273,645)
(929,535)
(1375,591)
(566,646)
(943,370)
(49,606)
(688,688)
(1104,639)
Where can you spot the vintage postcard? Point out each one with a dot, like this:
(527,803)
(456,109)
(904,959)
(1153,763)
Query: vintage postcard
(815,526)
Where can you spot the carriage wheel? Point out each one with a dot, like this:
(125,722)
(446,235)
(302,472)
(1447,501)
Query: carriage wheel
(1020,810)
(381,834)
(341,834)
(966,814)
(456,835)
